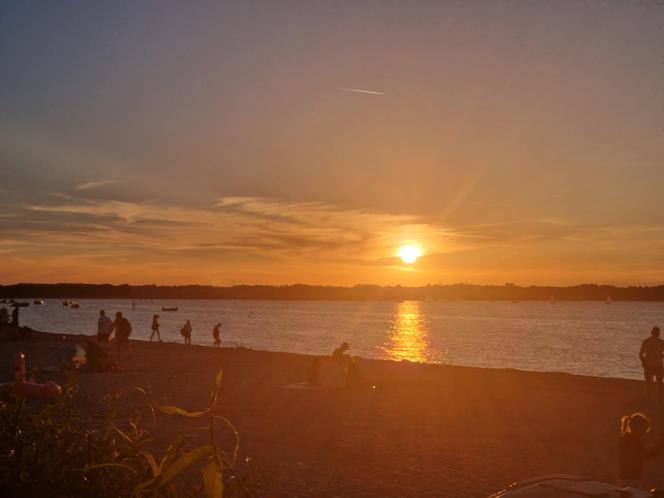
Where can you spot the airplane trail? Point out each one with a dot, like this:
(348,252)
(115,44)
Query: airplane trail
(359,90)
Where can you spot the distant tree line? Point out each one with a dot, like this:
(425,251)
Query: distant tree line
(315,292)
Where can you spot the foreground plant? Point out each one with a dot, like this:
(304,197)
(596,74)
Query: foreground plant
(63,450)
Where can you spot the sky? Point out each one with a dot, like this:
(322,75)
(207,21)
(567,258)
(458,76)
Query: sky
(306,142)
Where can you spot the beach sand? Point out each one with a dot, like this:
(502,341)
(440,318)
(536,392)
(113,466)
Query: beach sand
(424,430)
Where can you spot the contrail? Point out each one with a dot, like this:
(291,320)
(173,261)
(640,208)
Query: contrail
(95,184)
(359,90)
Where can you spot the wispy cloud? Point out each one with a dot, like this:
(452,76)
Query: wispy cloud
(360,90)
(311,229)
(95,184)
(258,239)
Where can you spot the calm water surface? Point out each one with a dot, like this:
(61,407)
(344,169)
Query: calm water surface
(591,338)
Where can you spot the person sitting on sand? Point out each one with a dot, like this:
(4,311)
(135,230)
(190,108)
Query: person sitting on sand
(186,332)
(104,327)
(122,332)
(353,375)
(155,328)
(652,359)
(215,336)
(632,450)
(340,355)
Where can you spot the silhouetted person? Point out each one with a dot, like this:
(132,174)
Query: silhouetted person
(215,335)
(186,332)
(652,359)
(632,450)
(155,328)
(353,376)
(4,316)
(15,316)
(104,327)
(122,332)
(339,354)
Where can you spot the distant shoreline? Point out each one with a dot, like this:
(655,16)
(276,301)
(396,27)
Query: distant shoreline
(68,337)
(43,335)
(298,292)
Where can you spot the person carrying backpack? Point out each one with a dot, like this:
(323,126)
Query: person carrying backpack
(186,332)
(122,332)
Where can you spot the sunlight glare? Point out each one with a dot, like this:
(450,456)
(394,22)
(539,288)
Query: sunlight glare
(409,254)
(409,337)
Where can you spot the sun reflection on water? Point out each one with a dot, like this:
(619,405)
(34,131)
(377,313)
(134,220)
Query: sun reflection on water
(408,338)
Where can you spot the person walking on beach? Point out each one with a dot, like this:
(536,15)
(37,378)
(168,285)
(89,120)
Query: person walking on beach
(186,332)
(652,359)
(155,328)
(122,332)
(104,328)
(215,335)
(632,449)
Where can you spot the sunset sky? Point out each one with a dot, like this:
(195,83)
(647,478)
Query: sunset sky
(286,142)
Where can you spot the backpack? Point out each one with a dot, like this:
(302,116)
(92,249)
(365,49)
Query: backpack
(124,329)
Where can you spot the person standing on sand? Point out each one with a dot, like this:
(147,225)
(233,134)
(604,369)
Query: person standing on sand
(652,359)
(155,328)
(215,336)
(104,328)
(122,333)
(15,316)
(186,332)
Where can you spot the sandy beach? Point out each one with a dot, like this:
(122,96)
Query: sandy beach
(424,430)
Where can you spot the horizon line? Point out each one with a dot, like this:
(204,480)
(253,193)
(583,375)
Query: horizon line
(469,284)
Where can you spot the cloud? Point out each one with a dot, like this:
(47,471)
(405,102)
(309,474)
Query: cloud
(258,225)
(258,239)
(360,90)
(95,184)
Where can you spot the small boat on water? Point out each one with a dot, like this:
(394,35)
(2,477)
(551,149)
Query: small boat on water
(38,301)
(65,303)
(167,308)
(74,304)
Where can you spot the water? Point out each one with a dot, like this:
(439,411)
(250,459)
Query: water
(591,338)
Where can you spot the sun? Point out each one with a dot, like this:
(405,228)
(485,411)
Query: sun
(409,254)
